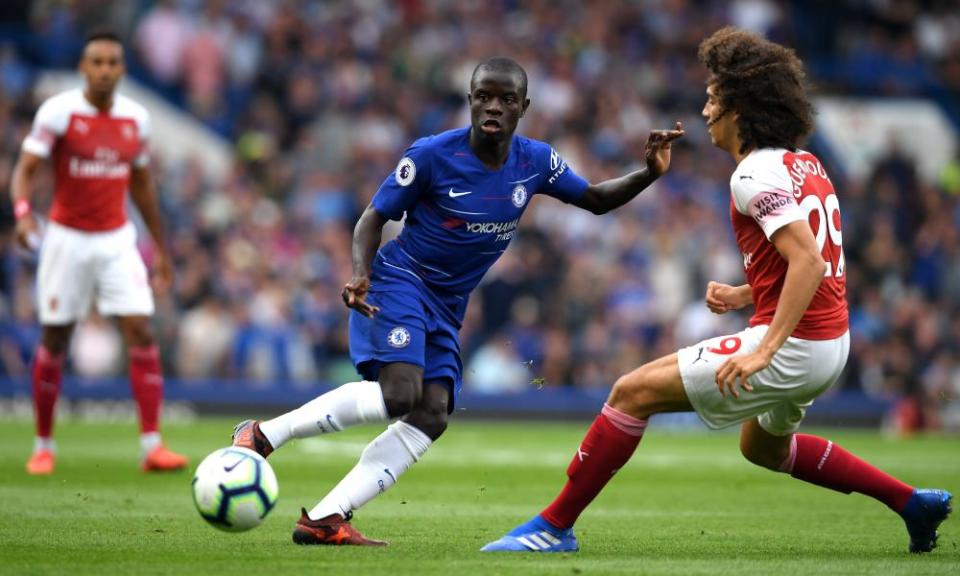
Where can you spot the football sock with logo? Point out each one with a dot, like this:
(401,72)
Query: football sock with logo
(146,382)
(608,445)
(383,461)
(350,404)
(821,462)
(46,376)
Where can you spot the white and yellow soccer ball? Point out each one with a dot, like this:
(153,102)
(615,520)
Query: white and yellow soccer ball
(234,489)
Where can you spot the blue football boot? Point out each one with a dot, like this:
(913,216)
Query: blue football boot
(923,513)
(535,535)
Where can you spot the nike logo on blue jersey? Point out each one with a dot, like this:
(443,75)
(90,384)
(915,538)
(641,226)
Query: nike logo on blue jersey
(453,194)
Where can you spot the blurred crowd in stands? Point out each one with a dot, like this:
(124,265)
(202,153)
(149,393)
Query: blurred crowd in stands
(319,99)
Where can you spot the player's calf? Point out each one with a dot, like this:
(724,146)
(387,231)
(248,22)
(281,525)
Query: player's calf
(764,460)
(763,449)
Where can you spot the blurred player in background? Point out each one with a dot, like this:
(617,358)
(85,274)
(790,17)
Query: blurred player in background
(463,193)
(786,220)
(97,142)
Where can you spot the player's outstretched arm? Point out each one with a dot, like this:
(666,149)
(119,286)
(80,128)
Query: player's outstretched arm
(610,194)
(21,194)
(143,192)
(366,240)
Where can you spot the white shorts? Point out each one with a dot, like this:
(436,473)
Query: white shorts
(77,266)
(800,371)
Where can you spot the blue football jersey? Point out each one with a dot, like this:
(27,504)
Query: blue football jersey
(460,215)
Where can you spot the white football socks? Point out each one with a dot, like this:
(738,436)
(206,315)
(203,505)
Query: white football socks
(381,463)
(149,441)
(350,404)
(41,443)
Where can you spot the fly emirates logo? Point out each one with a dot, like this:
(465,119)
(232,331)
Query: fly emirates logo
(503,230)
(105,164)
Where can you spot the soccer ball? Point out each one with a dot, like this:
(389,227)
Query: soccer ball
(234,489)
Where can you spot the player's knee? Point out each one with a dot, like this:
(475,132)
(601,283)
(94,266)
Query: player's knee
(431,421)
(433,411)
(401,393)
(633,394)
(138,334)
(56,339)
(55,346)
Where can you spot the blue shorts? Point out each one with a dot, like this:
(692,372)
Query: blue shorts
(408,328)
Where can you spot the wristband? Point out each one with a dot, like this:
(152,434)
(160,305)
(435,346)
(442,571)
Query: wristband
(21,208)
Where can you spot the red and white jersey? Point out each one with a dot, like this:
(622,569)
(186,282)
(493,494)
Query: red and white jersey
(771,188)
(93,153)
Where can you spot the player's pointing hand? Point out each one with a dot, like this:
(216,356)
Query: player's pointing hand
(657,151)
(354,296)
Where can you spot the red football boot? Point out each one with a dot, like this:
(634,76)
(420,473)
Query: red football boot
(160,459)
(41,463)
(247,434)
(333,530)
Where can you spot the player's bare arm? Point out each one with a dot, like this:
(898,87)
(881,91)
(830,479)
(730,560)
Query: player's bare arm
(610,194)
(21,194)
(805,268)
(722,298)
(366,240)
(143,192)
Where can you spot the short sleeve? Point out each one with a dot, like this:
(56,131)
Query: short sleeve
(765,197)
(561,181)
(402,189)
(144,128)
(48,125)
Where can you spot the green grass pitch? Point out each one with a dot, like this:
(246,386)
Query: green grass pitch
(686,504)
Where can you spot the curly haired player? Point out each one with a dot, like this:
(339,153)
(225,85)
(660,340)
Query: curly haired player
(786,220)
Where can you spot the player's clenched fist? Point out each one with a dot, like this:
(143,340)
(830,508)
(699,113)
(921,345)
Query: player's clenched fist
(354,296)
(722,298)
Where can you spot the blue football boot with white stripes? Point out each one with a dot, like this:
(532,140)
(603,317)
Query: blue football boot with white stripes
(535,535)
(923,514)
